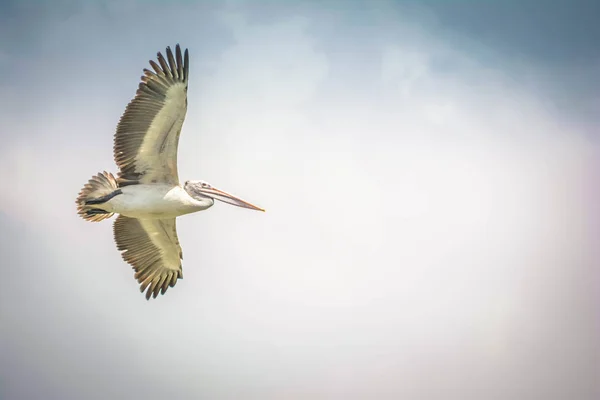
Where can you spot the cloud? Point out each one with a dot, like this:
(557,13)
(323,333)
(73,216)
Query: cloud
(428,227)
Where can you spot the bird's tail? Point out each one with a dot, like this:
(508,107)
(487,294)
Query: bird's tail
(99,189)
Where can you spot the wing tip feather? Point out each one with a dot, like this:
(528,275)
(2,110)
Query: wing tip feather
(175,67)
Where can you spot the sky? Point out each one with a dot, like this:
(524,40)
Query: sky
(429,171)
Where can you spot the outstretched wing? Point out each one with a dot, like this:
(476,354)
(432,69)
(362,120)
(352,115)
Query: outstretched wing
(147,137)
(152,248)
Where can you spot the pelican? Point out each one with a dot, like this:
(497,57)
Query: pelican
(146,193)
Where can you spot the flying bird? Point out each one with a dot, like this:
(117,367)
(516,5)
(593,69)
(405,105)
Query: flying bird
(146,193)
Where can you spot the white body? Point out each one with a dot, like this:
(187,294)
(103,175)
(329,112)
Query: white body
(155,201)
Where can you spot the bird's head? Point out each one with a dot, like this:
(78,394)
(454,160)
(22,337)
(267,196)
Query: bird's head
(202,190)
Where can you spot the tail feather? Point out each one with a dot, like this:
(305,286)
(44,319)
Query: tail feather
(99,189)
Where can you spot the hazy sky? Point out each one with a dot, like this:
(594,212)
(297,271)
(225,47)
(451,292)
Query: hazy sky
(430,174)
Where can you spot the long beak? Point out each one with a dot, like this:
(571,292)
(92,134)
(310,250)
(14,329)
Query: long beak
(225,197)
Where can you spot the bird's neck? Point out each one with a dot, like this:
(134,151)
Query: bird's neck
(200,202)
(203,203)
